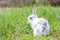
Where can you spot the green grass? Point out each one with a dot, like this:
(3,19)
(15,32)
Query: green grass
(14,26)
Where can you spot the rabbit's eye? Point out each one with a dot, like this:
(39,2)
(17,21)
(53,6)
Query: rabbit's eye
(30,17)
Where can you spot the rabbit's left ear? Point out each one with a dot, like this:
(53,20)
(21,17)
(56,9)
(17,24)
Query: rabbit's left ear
(34,10)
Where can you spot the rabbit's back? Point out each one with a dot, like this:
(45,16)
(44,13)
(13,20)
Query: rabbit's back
(42,27)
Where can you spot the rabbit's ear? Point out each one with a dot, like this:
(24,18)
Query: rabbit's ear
(34,10)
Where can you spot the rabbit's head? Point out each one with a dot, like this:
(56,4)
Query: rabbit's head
(33,16)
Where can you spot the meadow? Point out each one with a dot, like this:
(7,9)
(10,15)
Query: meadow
(14,24)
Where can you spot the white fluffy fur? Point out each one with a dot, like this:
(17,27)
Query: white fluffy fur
(40,26)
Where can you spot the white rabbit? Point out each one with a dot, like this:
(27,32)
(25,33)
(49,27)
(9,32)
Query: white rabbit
(40,26)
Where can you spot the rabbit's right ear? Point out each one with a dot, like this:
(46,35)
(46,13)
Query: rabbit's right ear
(34,10)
